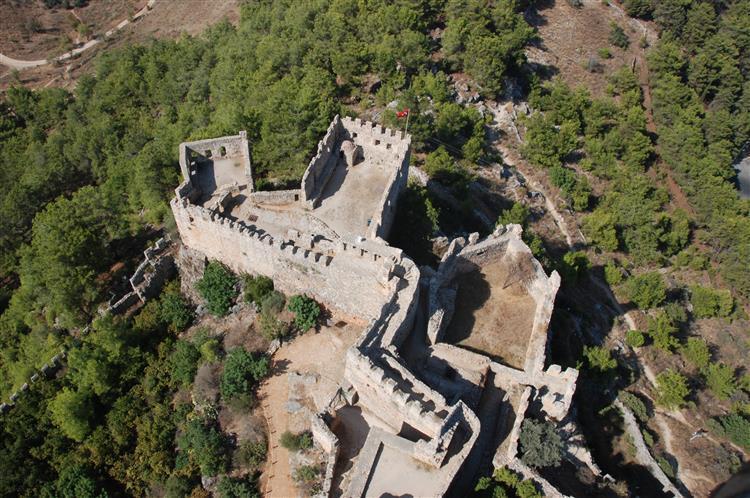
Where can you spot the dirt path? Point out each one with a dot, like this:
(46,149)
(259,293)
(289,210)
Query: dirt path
(321,354)
(19,64)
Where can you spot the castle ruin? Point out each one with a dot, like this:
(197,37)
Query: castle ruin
(445,393)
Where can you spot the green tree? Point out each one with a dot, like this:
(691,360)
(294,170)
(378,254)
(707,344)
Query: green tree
(306,311)
(599,358)
(617,36)
(218,288)
(634,338)
(672,389)
(233,487)
(75,482)
(174,309)
(206,445)
(241,372)
(697,353)
(73,413)
(709,303)
(635,405)
(541,445)
(184,363)
(720,380)
(517,214)
(662,330)
(646,290)
(296,442)
(599,226)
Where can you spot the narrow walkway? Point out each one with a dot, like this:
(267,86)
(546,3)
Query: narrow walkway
(19,64)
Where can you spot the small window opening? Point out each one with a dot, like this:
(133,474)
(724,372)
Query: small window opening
(223,151)
(377,142)
(207,153)
(387,146)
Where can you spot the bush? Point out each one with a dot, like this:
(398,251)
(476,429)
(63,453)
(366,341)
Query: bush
(210,350)
(672,389)
(271,327)
(518,214)
(646,290)
(574,265)
(306,311)
(252,454)
(665,466)
(617,36)
(638,8)
(242,371)
(174,309)
(306,474)
(634,403)
(599,358)
(696,352)
(662,330)
(296,442)
(273,302)
(218,288)
(604,53)
(635,338)
(541,445)
(256,288)
(612,273)
(720,380)
(708,303)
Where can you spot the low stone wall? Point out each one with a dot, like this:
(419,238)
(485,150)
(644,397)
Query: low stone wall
(330,444)
(234,146)
(275,197)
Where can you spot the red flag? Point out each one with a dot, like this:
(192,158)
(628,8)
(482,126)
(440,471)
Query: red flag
(403,114)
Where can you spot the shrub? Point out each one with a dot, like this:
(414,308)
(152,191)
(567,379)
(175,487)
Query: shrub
(708,303)
(665,466)
(271,327)
(720,380)
(252,454)
(306,311)
(306,474)
(217,287)
(617,36)
(541,445)
(634,403)
(527,489)
(672,389)
(242,371)
(638,8)
(506,476)
(634,338)
(599,358)
(612,273)
(604,53)
(646,290)
(518,214)
(662,330)
(273,302)
(648,438)
(174,309)
(696,352)
(574,265)
(256,288)
(296,442)
(183,363)
(210,350)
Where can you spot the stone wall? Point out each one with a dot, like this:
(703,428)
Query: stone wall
(342,277)
(275,197)
(322,165)
(192,153)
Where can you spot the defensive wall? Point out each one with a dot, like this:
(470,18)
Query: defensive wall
(195,154)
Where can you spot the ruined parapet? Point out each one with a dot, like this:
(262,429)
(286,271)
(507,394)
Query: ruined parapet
(330,444)
(275,197)
(322,164)
(236,147)
(560,388)
(504,458)
(548,490)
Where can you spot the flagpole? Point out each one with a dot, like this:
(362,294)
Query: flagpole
(408,113)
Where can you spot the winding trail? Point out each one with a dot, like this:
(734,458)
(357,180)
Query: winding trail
(20,64)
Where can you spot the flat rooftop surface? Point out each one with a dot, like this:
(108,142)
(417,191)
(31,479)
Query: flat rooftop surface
(212,174)
(494,313)
(353,194)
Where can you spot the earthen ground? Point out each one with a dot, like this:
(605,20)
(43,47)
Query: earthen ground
(321,353)
(494,313)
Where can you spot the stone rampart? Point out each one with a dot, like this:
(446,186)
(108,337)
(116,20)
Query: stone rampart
(381,223)
(322,165)
(343,278)
(235,146)
(330,444)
